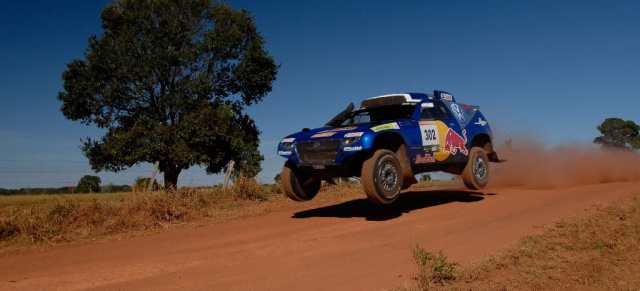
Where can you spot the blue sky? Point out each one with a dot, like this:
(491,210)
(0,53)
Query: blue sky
(553,70)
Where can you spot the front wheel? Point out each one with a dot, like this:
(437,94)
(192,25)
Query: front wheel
(476,173)
(298,186)
(382,177)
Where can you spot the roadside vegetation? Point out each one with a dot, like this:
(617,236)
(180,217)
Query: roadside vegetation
(34,220)
(37,220)
(597,251)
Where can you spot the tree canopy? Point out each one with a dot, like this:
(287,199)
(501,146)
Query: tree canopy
(88,184)
(168,81)
(619,134)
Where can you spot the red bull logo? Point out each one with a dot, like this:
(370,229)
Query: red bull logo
(454,142)
(426,159)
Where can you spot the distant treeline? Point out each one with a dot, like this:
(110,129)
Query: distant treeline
(109,188)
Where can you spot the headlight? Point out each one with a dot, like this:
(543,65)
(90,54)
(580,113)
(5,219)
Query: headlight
(350,140)
(287,145)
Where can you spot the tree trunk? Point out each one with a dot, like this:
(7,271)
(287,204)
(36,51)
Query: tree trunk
(171,174)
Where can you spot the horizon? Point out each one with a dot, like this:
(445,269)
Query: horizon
(549,70)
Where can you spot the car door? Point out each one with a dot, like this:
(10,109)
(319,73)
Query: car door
(441,136)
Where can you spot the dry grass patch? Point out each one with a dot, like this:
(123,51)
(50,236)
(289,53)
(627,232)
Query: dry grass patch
(36,220)
(27,221)
(597,251)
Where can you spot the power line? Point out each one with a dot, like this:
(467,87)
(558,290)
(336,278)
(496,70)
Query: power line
(54,171)
(67,182)
(76,161)
(117,181)
(11,166)
(43,161)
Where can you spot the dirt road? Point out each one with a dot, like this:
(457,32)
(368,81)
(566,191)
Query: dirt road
(349,246)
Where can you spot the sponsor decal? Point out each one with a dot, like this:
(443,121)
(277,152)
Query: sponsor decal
(429,132)
(431,149)
(426,159)
(459,113)
(454,142)
(284,153)
(288,139)
(446,96)
(429,144)
(339,129)
(465,106)
(481,122)
(354,134)
(323,134)
(352,149)
(387,126)
(318,167)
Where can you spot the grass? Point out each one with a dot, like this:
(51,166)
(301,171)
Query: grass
(433,271)
(28,221)
(35,220)
(31,199)
(597,251)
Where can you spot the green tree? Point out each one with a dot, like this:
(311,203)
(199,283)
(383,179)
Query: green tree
(619,134)
(88,184)
(169,81)
(143,183)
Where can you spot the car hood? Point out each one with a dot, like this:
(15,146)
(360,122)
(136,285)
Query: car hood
(329,132)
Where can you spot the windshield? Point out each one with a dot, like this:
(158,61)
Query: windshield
(378,114)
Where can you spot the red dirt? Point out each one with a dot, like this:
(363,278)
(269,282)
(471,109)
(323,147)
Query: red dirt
(349,246)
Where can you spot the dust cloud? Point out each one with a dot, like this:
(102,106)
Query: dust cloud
(530,164)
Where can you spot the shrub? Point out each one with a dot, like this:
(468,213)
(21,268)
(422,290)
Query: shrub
(246,188)
(8,230)
(433,270)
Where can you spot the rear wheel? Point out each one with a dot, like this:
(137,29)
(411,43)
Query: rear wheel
(298,186)
(382,177)
(476,173)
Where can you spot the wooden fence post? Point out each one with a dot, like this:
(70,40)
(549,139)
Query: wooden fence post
(153,176)
(229,169)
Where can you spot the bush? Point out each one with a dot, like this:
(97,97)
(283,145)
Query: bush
(247,188)
(8,230)
(433,270)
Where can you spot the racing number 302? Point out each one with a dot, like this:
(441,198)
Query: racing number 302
(430,134)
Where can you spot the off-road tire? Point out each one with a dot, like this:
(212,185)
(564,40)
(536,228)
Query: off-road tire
(298,186)
(382,177)
(476,173)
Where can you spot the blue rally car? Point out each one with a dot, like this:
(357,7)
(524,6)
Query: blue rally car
(386,142)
